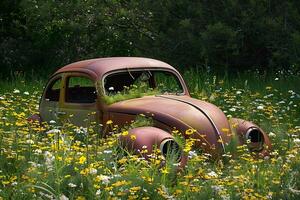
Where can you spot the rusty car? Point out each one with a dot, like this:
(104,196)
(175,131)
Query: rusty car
(120,88)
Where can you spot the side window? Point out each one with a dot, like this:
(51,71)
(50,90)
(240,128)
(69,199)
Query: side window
(53,90)
(80,90)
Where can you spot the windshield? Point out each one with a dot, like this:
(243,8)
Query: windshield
(132,84)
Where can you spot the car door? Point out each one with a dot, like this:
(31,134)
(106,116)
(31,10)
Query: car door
(79,100)
(49,105)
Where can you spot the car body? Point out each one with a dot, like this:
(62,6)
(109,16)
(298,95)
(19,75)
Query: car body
(82,87)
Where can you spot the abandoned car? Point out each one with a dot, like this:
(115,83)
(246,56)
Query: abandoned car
(121,88)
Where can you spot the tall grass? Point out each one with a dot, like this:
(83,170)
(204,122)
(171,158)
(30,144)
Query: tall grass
(60,162)
(22,82)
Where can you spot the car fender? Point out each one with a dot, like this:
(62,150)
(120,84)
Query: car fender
(144,140)
(247,130)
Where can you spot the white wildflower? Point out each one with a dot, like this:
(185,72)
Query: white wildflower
(274,153)
(267,158)
(38,151)
(107,151)
(81,130)
(29,141)
(291,91)
(49,158)
(33,164)
(227,155)
(232,109)
(52,122)
(98,192)
(260,107)
(291,156)
(14,183)
(297,141)
(63,197)
(217,188)
(93,171)
(26,93)
(192,154)
(72,185)
(225,197)
(238,92)
(105,179)
(267,96)
(53,131)
(48,196)
(16,91)
(271,134)
(213,174)
(111,88)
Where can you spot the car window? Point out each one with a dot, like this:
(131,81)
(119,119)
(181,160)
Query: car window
(115,83)
(124,85)
(161,81)
(53,90)
(80,90)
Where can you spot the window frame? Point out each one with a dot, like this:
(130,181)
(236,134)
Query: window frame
(184,90)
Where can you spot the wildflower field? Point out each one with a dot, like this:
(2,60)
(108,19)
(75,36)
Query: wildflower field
(67,162)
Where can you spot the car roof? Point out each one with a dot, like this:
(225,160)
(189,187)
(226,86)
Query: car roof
(98,67)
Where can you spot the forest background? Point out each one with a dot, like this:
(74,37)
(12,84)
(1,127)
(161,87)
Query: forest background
(37,37)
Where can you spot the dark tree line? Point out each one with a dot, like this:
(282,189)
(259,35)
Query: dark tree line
(41,35)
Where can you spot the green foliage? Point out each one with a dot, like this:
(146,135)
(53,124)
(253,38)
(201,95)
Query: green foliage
(41,36)
(142,121)
(130,93)
(220,44)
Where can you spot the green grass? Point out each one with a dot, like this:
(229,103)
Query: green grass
(130,93)
(36,163)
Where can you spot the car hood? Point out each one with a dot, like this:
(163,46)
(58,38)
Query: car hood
(183,113)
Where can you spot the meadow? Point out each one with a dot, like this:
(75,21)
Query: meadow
(67,162)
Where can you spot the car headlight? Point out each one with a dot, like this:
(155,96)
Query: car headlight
(170,149)
(255,139)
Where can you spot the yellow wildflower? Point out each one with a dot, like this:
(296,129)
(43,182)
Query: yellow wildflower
(225,130)
(164,170)
(133,137)
(80,198)
(190,131)
(124,133)
(109,122)
(135,189)
(82,160)
(122,161)
(178,191)
(120,183)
